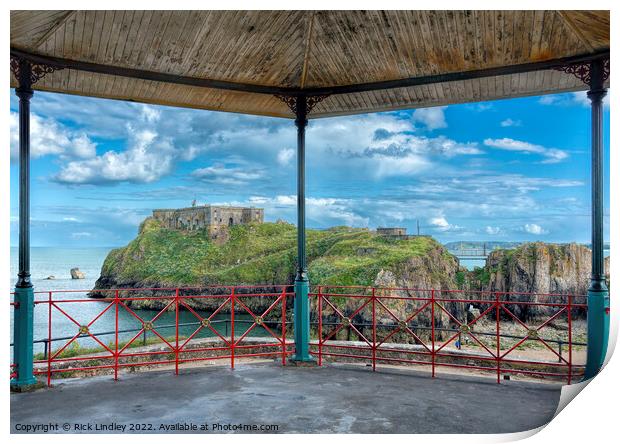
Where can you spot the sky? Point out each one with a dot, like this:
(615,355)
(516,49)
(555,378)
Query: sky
(509,170)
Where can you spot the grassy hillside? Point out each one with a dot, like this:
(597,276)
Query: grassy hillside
(255,254)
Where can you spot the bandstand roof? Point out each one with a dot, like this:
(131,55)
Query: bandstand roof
(365,61)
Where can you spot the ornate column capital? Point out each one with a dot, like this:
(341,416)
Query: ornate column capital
(292,102)
(28,73)
(583,70)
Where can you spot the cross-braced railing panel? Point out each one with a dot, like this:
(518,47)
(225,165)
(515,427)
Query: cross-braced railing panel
(126,328)
(503,332)
(268,323)
(340,314)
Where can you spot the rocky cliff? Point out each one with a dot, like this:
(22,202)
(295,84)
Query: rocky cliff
(541,268)
(265,254)
(537,268)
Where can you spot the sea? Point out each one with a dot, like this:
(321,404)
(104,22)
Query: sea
(46,262)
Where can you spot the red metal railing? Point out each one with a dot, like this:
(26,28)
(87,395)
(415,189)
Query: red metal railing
(389,325)
(268,316)
(431,321)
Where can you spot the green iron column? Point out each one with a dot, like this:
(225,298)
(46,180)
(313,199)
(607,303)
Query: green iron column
(598,294)
(302,284)
(24,293)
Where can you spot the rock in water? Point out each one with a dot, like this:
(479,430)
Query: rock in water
(50,278)
(77,274)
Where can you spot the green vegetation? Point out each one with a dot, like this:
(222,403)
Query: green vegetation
(461,279)
(256,254)
(481,276)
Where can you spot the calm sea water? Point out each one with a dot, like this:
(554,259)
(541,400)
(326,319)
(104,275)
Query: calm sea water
(57,262)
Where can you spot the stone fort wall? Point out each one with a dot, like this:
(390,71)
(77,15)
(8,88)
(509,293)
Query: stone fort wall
(213,218)
(392,231)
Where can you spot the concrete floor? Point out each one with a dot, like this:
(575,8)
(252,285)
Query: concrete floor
(334,399)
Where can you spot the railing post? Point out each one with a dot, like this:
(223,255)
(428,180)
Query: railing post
(374,331)
(283,326)
(48,343)
(570,340)
(116,335)
(433,331)
(176,324)
(497,327)
(232,329)
(320,335)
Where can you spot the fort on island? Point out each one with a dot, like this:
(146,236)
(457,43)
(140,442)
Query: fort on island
(391,231)
(213,218)
(398,233)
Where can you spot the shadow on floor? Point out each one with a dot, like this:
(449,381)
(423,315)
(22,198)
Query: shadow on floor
(330,399)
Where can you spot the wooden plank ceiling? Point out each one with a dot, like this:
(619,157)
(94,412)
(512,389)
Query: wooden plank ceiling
(308,50)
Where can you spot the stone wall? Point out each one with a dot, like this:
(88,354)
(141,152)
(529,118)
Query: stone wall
(213,218)
(392,231)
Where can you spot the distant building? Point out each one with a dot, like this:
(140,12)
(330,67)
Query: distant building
(392,231)
(398,233)
(210,217)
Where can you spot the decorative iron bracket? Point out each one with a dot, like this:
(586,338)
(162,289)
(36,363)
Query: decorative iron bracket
(582,70)
(37,70)
(311,102)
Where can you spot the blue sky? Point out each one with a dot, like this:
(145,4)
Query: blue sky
(506,170)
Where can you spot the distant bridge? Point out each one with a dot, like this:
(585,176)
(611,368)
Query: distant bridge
(471,254)
(478,253)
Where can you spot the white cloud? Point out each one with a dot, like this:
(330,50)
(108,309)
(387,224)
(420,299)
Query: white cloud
(149,156)
(48,137)
(390,166)
(323,211)
(150,114)
(534,229)
(432,118)
(509,122)
(441,224)
(223,175)
(552,155)
(372,146)
(285,156)
(384,145)
(549,100)
(579,98)
(147,159)
(492,230)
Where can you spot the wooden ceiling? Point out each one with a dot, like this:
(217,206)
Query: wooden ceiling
(305,49)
